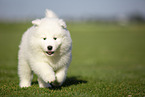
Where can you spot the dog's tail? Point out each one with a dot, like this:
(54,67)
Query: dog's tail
(50,14)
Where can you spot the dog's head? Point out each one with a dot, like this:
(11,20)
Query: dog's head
(52,35)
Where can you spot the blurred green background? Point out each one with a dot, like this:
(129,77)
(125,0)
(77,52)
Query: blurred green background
(108,60)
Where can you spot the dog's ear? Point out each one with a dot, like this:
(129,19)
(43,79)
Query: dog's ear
(36,22)
(50,14)
(62,23)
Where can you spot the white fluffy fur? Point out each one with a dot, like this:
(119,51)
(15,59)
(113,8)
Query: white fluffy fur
(32,56)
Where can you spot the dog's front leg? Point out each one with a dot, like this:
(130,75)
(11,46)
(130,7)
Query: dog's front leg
(44,71)
(60,76)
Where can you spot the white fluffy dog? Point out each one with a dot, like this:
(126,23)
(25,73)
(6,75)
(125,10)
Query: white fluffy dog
(45,49)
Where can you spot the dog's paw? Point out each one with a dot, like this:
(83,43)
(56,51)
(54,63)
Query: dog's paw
(46,85)
(51,78)
(24,85)
(48,77)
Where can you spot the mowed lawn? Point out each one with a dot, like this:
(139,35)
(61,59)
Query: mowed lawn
(108,61)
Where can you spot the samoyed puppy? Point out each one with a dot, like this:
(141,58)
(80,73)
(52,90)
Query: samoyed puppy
(45,49)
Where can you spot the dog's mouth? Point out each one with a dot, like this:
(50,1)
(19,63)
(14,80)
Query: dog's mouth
(49,52)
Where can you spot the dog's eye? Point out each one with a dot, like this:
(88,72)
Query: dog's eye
(54,38)
(44,38)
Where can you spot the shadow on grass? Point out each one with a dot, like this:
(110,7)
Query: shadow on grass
(73,81)
(68,82)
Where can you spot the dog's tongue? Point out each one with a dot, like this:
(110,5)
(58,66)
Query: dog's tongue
(49,53)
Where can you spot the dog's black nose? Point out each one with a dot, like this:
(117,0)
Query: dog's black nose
(49,47)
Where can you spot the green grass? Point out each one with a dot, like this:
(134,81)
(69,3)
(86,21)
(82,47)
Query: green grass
(108,60)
